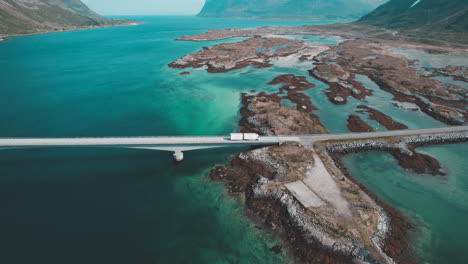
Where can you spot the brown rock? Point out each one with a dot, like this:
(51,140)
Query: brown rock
(356,124)
(382,118)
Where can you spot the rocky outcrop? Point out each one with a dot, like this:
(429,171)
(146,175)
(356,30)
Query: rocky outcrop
(261,114)
(342,83)
(382,118)
(225,57)
(392,73)
(313,235)
(266,114)
(458,73)
(291,90)
(356,124)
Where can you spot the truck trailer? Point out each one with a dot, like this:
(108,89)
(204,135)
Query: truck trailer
(237,136)
(251,136)
(244,137)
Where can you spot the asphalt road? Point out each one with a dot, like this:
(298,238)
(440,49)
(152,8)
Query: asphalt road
(203,142)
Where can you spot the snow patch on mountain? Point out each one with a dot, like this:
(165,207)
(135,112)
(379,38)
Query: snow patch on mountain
(415,3)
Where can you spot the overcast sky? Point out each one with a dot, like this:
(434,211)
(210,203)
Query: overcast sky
(145,7)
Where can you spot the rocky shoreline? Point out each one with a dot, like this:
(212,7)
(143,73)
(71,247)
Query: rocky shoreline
(396,242)
(260,176)
(312,235)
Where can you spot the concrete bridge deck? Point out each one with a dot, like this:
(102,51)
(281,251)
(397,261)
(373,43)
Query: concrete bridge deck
(139,142)
(180,144)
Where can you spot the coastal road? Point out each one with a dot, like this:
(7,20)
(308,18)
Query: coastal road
(192,143)
(393,133)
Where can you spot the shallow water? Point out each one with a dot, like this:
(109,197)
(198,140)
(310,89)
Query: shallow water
(437,205)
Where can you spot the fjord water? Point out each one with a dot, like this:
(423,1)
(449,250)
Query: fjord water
(438,206)
(113,205)
(129,206)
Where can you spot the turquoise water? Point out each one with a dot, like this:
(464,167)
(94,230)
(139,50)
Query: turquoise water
(119,206)
(111,205)
(128,206)
(438,206)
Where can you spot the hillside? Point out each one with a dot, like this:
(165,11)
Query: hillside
(35,16)
(290,9)
(421,16)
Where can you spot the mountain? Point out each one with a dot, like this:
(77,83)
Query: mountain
(290,9)
(35,16)
(421,15)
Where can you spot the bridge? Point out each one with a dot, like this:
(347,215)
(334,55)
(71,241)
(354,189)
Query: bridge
(178,145)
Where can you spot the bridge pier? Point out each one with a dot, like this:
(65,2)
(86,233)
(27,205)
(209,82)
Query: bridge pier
(178,156)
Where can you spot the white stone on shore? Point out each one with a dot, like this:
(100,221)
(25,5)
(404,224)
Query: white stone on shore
(338,99)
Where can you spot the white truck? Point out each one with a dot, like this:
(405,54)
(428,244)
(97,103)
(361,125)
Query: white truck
(251,136)
(237,136)
(244,137)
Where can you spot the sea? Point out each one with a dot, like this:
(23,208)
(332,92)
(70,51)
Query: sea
(110,205)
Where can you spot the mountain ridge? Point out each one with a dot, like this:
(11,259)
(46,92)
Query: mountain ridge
(19,17)
(290,9)
(420,15)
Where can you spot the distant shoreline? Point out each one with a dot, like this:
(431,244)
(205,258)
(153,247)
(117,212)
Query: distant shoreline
(129,23)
